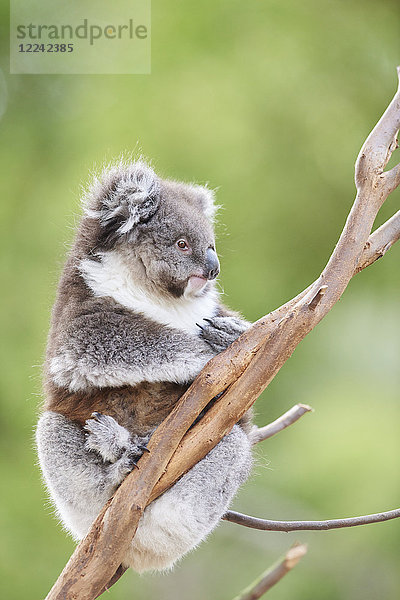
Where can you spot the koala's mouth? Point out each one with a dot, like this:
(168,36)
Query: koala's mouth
(196,284)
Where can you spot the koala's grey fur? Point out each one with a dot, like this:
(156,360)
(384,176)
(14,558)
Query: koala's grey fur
(135,320)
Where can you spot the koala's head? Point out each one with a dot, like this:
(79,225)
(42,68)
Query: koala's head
(161,229)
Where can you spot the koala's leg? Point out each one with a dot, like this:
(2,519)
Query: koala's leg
(80,480)
(183,516)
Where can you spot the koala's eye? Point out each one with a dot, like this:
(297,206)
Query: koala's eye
(182,245)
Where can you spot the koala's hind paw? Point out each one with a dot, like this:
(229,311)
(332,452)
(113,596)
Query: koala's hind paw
(112,441)
(106,437)
(124,465)
(220,332)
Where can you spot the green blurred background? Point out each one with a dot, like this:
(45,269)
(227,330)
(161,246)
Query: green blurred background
(270,102)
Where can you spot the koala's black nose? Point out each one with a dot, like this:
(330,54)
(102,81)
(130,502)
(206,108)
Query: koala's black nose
(212,264)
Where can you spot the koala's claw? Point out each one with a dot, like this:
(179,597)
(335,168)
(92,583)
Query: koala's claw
(131,463)
(129,460)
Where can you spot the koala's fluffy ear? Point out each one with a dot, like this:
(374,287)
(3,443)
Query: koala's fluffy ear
(123,196)
(206,197)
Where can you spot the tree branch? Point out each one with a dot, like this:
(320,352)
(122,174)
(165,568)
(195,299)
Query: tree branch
(380,242)
(241,372)
(268,525)
(275,574)
(259,434)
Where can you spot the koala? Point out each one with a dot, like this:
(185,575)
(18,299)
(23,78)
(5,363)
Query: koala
(136,317)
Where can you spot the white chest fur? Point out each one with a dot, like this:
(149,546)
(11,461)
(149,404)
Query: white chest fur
(111,277)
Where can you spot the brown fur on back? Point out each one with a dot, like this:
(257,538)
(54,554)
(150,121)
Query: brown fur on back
(139,408)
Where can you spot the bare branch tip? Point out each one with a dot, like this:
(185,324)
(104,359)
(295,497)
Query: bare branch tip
(273,575)
(306,407)
(294,554)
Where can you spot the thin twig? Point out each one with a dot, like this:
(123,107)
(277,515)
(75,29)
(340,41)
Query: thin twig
(288,418)
(267,525)
(274,574)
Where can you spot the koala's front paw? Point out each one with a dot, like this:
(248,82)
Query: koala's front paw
(220,332)
(112,441)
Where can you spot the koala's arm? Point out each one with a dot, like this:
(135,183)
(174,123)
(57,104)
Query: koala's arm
(115,347)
